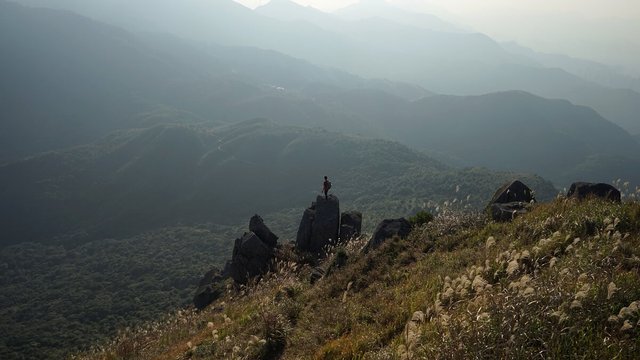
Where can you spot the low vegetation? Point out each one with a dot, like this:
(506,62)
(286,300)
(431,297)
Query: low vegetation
(560,282)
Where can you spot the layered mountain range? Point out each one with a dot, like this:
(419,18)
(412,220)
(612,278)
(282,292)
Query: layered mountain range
(134,133)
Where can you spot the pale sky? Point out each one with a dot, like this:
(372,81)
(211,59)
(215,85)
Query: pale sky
(602,30)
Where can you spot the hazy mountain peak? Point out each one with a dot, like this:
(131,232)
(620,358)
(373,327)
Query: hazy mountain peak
(382,9)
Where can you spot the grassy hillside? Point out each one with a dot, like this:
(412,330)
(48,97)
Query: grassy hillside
(560,282)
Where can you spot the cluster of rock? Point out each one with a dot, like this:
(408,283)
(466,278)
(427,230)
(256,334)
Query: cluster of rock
(252,256)
(322,226)
(515,198)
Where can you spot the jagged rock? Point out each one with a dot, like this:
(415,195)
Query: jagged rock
(210,288)
(251,257)
(388,228)
(319,225)
(508,211)
(513,192)
(583,190)
(257,226)
(350,225)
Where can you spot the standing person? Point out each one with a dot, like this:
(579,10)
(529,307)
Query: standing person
(326,185)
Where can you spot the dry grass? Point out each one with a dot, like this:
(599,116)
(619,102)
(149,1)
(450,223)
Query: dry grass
(561,282)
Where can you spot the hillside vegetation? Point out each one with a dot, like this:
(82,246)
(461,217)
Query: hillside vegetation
(560,282)
(118,231)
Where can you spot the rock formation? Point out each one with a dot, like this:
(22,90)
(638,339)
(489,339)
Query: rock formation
(350,225)
(251,257)
(583,190)
(257,226)
(510,200)
(210,288)
(320,225)
(515,191)
(387,229)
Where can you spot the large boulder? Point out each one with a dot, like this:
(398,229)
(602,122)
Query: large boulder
(584,190)
(350,225)
(210,288)
(510,200)
(320,225)
(508,211)
(257,226)
(251,258)
(513,192)
(387,229)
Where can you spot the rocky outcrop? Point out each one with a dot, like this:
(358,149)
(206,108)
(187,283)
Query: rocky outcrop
(510,200)
(387,229)
(251,257)
(210,288)
(584,190)
(257,226)
(350,225)
(320,225)
(511,192)
(508,211)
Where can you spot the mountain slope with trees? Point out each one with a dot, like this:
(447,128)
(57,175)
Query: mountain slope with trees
(99,233)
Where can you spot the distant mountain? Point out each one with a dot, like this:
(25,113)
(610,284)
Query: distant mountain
(382,9)
(509,130)
(67,80)
(144,179)
(444,62)
(156,79)
(637,137)
(589,70)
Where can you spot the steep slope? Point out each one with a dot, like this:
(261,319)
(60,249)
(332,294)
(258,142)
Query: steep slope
(560,282)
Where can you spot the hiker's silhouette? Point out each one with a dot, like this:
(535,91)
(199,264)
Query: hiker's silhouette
(326,185)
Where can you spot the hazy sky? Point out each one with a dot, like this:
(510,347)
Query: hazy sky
(601,30)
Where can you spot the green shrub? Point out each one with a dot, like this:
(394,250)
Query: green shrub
(421,218)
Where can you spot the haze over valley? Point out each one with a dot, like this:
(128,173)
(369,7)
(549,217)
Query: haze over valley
(138,137)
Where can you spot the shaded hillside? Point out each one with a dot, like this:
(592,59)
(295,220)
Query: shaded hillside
(510,130)
(516,130)
(559,282)
(141,179)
